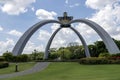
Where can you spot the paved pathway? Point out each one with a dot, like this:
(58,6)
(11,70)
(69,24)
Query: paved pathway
(38,67)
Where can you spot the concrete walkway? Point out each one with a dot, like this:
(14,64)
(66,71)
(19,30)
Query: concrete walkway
(38,67)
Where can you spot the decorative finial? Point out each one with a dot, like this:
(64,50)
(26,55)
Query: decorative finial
(65,14)
(65,19)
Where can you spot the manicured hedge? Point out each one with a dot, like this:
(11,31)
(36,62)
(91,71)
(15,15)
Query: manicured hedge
(4,64)
(74,60)
(105,55)
(94,60)
(2,59)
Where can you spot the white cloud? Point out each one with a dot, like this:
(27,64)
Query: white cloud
(62,38)
(33,9)
(87,33)
(6,45)
(43,14)
(4,1)
(107,15)
(15,33)
(43,35)
(54,27)
(109,19)
(30,46)
(66,1)
(74,5)
(99,4)
(16,7)
(1,29)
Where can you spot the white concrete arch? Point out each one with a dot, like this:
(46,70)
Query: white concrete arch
(78,34)
(108,41)
(18,49)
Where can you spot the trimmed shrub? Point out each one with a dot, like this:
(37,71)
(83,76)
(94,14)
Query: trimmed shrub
(53,55)
(94,60)
(117,61)
(4,64)
(23,58)
(104,55)
(20,58)
(8,56)
(2,59)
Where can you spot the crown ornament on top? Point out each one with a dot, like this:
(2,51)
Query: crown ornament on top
(65,19)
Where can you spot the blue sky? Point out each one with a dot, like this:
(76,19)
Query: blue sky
(16,16)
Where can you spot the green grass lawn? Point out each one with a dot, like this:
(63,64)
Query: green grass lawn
(74,71)
(21,67)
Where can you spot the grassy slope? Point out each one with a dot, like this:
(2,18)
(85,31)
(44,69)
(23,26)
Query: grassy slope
(74,71)
(21,67)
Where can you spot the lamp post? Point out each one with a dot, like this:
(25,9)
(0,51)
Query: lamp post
(63,52)
(16,67)
(35,54)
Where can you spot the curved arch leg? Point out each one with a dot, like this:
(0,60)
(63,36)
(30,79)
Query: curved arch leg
(110,44)
(17,50)
(83,42)
(78,34)
(49,43)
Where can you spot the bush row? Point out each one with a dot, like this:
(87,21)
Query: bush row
(74,60)
(2,59)
(95,60)
(10,58)
(4,64)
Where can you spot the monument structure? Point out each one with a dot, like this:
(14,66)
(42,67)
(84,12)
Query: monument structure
(65,22)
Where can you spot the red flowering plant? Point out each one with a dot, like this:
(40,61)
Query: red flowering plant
(115,56)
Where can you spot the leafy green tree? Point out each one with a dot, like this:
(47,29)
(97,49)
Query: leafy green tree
(100,47)
(8,56)
(39,55)
(104,55)
(53,49)
(53,55)
(93,51)
(117,43)
(36,55)
(72,46)
(65,53)
(78,53)
(23,58)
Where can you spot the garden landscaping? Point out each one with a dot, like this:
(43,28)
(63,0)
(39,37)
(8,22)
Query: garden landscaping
(74,71)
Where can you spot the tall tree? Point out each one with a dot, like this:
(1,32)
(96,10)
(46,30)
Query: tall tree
(100,47)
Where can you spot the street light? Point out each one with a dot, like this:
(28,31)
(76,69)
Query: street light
(16,67)
(63,52)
